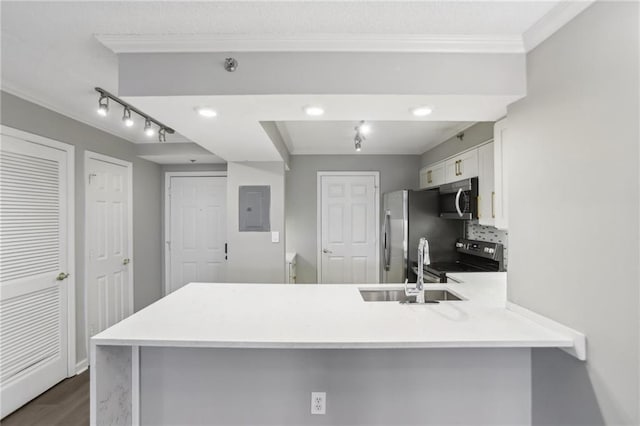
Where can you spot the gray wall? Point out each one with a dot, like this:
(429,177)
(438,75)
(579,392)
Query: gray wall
(26,116)
(252,257)
(392,387)
(474,135)
(396,172)
(393,73)
(573,213)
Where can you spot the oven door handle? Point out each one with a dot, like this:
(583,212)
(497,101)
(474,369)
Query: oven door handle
(458,202)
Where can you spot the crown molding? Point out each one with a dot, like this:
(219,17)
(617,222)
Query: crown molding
(552,21)
(165,43)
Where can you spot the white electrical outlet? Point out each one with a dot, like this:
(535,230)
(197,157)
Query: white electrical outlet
(318,402)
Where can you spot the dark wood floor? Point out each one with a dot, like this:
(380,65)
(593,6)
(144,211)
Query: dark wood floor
(65,404)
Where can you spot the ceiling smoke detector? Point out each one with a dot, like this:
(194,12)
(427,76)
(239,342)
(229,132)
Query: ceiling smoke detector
(230,64)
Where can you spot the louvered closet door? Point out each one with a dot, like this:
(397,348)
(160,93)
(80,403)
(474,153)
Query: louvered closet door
(33,252)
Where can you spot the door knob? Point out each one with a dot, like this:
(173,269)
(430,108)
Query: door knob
(126,261)
(325,251)
(61,276)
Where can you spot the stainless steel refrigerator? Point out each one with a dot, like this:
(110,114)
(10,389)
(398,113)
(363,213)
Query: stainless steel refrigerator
(408,216)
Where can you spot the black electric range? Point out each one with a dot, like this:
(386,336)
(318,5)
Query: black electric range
(472,256)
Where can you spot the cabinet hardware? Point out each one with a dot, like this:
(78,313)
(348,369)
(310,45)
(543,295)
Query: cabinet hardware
(62,276)
(126,261)
(429,180)
(493,210)
(325,251)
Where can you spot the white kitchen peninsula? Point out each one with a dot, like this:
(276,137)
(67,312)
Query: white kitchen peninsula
(223,354)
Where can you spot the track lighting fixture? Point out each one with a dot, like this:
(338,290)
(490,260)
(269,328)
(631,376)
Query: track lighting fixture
(127,118)
(361,129)
(103,105)
(162,135)
(148,130)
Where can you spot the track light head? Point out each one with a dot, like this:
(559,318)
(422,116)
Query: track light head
(162,135)
(148,130)
(103,105)
(126,117)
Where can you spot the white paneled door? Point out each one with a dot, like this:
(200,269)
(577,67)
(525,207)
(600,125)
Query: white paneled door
(109,283)
(35,266)
(197,230)
(349,231)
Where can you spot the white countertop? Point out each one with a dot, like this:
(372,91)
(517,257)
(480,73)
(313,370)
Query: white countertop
(331,316)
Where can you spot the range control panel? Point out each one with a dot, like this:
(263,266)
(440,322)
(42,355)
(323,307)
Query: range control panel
(480,248)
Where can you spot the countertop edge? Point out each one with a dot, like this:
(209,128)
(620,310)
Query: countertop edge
(578,347)
(563,344)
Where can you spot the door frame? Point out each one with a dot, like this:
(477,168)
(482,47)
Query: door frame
(319,176)
(69,150)
(167,217)
(88,155)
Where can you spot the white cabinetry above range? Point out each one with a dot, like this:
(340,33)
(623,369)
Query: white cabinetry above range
(487,162)
(500,169)
(462,166)
(486,193)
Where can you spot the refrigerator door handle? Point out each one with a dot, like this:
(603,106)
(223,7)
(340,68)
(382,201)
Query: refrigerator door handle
(387,243)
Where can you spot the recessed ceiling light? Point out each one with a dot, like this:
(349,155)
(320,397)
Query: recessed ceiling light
(206,112)
(313,111)
(421,111)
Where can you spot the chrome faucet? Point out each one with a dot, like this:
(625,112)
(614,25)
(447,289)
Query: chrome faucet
(418,290)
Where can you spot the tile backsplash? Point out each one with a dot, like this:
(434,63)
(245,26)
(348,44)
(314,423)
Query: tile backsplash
(475,231)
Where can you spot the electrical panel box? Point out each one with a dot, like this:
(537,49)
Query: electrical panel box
(254,208)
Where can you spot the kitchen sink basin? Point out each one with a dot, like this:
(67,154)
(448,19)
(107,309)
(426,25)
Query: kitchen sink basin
(430,296)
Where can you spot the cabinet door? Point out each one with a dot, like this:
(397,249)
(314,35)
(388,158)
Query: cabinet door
(424,178)
(468,164)
(432,175)
(437,174)
(451,170)
(500,167)
(486,206)
(463,166)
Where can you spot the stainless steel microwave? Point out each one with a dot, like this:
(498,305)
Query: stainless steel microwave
(459,200)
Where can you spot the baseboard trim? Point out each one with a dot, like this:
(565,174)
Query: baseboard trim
(82,366)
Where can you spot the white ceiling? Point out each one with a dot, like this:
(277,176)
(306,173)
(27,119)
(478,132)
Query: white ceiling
(236,134)
(50,54)
(385,137)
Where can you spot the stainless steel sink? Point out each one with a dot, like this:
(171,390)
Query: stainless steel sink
(431,296)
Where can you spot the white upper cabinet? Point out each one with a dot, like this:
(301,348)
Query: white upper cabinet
(500,167)
(462,166)
(432,175)
(486,193)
